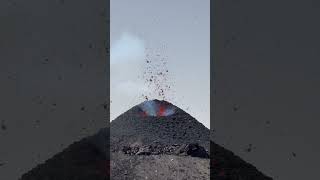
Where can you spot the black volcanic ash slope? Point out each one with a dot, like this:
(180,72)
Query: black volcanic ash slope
(153,140)
(227,166)
(157,140)
(134,129)
(82,160)
(178,128)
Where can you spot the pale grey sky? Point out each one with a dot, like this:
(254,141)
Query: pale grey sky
(177,31)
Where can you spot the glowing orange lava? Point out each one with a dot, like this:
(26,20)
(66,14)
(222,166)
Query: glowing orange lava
(161,111)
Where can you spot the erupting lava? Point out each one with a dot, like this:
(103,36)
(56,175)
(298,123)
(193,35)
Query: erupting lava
(156,108)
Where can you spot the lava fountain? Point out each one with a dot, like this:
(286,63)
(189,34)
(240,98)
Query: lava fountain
(157,108)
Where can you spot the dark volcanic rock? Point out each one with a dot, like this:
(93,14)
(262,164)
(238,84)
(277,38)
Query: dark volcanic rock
(159,141)
(163,143)
(178,134)
(193,150)
(179,128)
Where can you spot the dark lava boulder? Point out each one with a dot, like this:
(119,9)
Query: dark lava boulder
(193,150)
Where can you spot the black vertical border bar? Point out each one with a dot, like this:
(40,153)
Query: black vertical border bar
(212,91)
(211,82)
(107,47)
(213,56)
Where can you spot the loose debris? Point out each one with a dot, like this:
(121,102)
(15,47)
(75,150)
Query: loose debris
(193,150)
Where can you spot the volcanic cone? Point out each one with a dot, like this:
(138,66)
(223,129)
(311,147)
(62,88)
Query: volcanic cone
(152,140)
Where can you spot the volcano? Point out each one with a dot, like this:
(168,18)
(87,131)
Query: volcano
(159,122)
(152,140)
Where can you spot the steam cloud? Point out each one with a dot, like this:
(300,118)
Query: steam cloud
(127,56)
(128,48)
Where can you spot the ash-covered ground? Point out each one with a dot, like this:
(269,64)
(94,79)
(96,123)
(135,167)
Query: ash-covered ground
(148,143)
(153,140)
